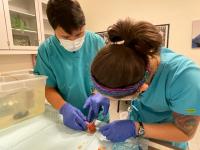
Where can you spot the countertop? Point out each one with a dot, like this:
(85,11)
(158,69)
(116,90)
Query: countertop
(46,132)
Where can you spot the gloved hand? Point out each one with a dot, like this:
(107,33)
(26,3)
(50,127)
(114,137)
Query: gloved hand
(119,131)
(73,117)
(95,103)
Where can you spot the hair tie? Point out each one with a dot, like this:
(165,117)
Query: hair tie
(119,42)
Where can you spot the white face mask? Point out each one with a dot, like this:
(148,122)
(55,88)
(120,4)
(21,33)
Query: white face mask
(72,46)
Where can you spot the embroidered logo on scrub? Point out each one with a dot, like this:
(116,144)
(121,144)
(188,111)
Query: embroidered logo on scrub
(191,110)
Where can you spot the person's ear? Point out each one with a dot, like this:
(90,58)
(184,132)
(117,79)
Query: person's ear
(143,87)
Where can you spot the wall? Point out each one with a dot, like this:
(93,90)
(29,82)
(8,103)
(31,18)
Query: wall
(102,13)
(15,62)
(196,28)
(179,14)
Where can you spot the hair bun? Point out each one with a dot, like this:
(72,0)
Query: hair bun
(142,37)
(120,31)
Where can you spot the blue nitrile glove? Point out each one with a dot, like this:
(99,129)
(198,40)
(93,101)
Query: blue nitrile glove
(119,131)
(73,117)
(94,103)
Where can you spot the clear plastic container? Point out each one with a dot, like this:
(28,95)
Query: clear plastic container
(16,72)
(21,96)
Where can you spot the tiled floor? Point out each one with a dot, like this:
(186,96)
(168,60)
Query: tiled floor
(194,144)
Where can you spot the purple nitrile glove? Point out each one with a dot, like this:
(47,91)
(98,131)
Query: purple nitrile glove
(119,131)
(73,117)
(94,103)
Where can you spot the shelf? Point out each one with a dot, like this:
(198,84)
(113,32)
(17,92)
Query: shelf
(13,52)
(22,12)
(45,2)
(28,31)
(45,19)
(49,34)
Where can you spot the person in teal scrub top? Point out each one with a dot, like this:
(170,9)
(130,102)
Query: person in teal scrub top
(164,86)
(66,58)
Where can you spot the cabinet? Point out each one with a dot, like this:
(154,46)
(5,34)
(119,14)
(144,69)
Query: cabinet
(46,28)
(22,21)
(24,26)
(3,32)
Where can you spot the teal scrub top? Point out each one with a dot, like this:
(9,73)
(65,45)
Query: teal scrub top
(175,88)
(69,72)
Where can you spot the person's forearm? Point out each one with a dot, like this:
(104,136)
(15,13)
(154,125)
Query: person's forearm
(54,98)
(165,132)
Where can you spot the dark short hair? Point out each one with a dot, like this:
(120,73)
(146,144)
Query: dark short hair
(66,14)
(121,65)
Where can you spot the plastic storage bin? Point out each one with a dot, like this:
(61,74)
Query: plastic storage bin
(21,96)
(16,72)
